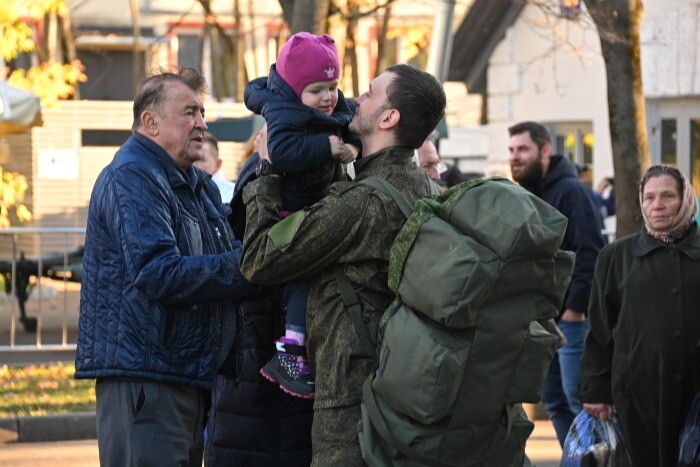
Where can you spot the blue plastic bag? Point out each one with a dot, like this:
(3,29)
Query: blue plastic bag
(689,449)
(591,442)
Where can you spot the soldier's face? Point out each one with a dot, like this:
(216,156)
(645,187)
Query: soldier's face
(371,105)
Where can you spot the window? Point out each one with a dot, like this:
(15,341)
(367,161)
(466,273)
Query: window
(668,141)
(570,9)
(695,153)
(573,140)
(110,138)
(189,51)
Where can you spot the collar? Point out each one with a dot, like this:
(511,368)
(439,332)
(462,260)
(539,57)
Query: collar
(176,176)
(689,245)
(386,157)
(219,177)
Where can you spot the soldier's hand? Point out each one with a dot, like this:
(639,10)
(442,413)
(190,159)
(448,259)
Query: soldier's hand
(260,143)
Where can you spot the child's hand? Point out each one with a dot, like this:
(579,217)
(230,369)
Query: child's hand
(260,143)
(350,153)
(343,152)
(336,146)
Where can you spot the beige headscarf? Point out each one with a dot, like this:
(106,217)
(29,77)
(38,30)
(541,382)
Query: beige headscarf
(686,214)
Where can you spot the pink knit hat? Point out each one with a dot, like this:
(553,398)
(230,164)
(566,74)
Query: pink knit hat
(306,58)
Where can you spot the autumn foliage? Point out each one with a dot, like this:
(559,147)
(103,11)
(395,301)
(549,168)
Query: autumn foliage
(52,79)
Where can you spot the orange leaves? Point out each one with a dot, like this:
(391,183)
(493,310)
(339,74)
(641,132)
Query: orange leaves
(13,187)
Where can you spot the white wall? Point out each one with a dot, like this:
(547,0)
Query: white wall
(670,60)
(548,69)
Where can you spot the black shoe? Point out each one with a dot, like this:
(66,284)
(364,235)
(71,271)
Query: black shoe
(289,371)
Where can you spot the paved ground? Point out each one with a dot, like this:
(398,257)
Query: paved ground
(542,448)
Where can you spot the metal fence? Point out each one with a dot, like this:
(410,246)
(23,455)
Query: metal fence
(40,307)
(39,310)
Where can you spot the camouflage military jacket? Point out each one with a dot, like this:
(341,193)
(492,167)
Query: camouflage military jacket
(353,229)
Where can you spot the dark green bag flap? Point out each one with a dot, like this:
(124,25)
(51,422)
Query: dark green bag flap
(462,272)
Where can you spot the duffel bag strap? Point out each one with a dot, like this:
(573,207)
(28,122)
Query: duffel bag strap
(390,190)
(354,310)
(380,425)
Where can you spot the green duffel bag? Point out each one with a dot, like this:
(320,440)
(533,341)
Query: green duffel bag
(456,360)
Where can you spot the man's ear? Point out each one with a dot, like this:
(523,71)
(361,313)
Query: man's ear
(390,118)
(547,150)
(149,122)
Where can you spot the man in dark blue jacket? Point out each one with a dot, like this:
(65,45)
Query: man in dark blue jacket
(160,271)
(554,179)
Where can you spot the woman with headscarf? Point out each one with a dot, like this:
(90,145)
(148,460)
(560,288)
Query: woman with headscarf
(644,317)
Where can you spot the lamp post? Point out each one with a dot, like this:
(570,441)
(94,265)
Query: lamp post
(441,41)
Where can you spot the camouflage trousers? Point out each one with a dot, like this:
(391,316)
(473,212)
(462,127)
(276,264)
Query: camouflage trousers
(334,437)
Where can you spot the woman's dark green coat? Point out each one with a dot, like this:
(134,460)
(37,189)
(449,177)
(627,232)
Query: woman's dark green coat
(644,324)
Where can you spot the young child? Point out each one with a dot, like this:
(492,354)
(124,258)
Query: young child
(307,122)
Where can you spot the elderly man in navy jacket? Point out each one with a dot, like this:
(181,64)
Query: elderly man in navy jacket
(160,271)
(554,179)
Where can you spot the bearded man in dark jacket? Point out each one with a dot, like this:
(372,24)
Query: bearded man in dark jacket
(554,179)
(351,230)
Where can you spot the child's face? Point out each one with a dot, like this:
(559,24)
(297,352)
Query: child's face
(321,95)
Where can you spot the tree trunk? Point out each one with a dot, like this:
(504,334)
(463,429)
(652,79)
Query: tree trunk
(350,47)
(287,11)
(253,41)
(303,17)
(306,15)
(618,23)
(240,77)
(68,46)
(382,41)
(321,12)
(136,23)
(52,37)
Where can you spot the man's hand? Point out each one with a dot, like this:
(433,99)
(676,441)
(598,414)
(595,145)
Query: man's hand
(260,143)
(572,315)
(603,185)
(602,412)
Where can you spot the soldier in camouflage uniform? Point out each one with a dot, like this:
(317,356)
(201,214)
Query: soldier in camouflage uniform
(351,229)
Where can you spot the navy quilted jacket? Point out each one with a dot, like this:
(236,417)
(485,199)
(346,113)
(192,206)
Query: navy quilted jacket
(160,267)
(298,138)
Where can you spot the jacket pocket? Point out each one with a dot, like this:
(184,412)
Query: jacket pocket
(184,331)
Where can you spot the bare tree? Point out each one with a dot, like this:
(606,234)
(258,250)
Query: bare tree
(228,69)
(382,40)
(136,28)
(351,46)
(618,23)
(241,77)
(306,15)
